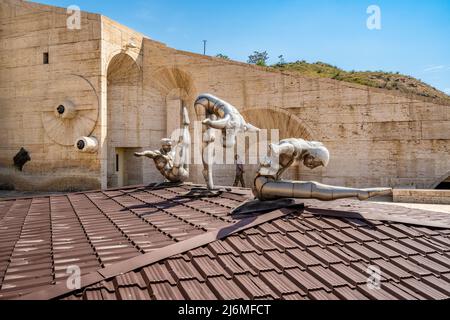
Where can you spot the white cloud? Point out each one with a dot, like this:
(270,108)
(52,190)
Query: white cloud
(447,90)
(434,68)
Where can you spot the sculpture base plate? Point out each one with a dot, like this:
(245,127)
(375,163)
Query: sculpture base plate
(204,193)
(258,206)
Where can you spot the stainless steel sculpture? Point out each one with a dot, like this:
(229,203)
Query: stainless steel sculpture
(269,186)
(222,116)
(171,161)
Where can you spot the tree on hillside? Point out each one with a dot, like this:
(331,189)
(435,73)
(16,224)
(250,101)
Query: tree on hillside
(223,56)
(258,58)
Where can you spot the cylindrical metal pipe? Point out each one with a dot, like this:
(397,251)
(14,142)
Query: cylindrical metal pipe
(87,144)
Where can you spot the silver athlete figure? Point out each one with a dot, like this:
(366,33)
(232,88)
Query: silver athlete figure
(268,184)
(220,115)
(172,162)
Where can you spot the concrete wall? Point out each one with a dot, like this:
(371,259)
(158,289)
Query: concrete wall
(30,91)
(422,196)
(130,85)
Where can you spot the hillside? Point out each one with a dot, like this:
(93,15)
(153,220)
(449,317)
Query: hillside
(377,79)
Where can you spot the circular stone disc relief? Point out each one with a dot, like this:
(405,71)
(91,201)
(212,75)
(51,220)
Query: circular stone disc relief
(70,111)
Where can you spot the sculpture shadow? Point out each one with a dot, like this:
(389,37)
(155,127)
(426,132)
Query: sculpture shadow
(246,221)
(162,205)
(150,187)
(355,217)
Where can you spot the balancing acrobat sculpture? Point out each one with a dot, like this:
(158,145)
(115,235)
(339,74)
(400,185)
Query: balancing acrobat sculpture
(269,186)
(172,162)
(220,115)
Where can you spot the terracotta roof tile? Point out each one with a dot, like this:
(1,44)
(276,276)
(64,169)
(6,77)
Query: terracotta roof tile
(132,293)
(293,297)
(391,269)
(347,293)
(354,277)
(281,260)
(240,245)
(411,267)
(416,245)
(280,284)
(339,236)
(345,254)
(158,273)
(209,267)
(402,292)
(235,265)
(303,257)
(322,295)
(306,281)
(382,250)
(254,287)
(194,290)
(165,291)
(435,245)
(377,294)
(440,258)
(327,276)
(357,235)
(308,255)
(284,226)
(430,264)
(303,239)
(424,289)
(324,255)
(410,232)
(262,243)
(258,262)
(131,279)
(322,238)
(183,270)
(222,247)
(438,284)
(281,241)
(444,240)
(363,250)
(226,290)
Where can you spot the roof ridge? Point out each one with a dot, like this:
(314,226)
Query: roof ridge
(56,291)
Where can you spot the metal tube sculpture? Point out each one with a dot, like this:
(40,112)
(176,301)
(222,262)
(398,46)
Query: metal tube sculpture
(268,185)
(220,115)
(173,163)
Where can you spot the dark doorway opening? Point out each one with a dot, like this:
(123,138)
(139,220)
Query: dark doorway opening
(444,185)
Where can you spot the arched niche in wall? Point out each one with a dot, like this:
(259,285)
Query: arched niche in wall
(124,95)
(177,87)
(287,125)
(175,100)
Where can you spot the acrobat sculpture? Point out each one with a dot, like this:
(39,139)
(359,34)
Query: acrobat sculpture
(220,115)
(171,161)
(269,186)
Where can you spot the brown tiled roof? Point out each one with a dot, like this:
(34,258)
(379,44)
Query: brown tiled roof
(142,244)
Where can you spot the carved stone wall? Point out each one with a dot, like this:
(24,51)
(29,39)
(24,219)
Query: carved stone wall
(120,87)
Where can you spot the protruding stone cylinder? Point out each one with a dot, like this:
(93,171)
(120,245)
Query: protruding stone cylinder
(87,144)
(66,110)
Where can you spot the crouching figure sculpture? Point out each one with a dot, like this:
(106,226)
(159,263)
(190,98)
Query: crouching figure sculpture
(220,115)
(172,162)
(268,185)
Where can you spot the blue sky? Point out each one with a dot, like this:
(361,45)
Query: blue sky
(414,38)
